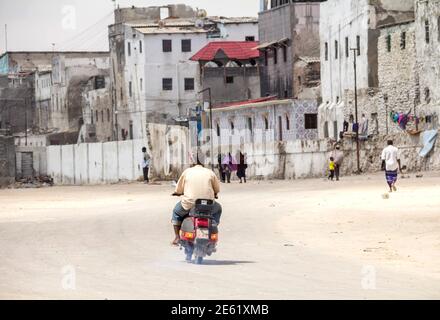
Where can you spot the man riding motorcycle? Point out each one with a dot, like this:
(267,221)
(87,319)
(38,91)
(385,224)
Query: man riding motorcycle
(195,183)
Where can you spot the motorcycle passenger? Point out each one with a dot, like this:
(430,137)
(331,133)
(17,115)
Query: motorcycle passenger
(195,183)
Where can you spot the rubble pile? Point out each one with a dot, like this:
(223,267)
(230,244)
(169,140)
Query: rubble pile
(34,182)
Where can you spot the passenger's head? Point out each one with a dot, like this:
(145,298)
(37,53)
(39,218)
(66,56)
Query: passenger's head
(332,159)
(390,142)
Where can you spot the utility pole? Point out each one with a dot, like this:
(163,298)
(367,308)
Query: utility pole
(25,121)
(116,125)
(210,126)
(355,53)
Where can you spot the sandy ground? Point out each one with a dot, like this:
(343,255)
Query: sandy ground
(279,240)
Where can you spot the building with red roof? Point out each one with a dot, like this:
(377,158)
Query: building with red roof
(232,50)
(230,69)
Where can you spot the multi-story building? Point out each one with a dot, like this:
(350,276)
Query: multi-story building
(427,30)
(230,71)
(70,75)
(153,78)
(348,28)
(40,92)
(97,112)
(43,99)
(288,30)
(397,75)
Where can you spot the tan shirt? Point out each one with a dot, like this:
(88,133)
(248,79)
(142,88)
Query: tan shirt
(197,183)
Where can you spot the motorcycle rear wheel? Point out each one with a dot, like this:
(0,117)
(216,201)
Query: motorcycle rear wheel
(189,253)
(199,260)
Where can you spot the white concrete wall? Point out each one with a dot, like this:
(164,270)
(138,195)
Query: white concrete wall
(68,164)
(81,163)
(95,163)
(111,157)
(239,32)
(341,19)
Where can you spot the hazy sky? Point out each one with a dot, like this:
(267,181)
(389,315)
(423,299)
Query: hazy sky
(82,24)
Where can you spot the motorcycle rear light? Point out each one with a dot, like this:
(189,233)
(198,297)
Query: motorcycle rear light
(214,236)
(188,235)
(204,223)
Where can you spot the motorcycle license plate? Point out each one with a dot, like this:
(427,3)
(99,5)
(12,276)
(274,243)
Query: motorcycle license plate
(202,233)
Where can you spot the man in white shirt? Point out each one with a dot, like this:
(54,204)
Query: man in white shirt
(145,163)
(391,163)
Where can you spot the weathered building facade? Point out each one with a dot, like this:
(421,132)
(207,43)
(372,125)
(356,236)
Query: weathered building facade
(265,120)
(427,29)
(153,78)
(288,30)
(43,99)
(97,111)
(40,92)
(17,102)
(229,71)
(349,28)
(70,76)
(397,75)
(7,160)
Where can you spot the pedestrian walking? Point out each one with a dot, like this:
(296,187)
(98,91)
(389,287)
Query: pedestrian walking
(241,168)
(229,165)
(220,168)
(338,155)
(331,167)
(145,163)
(391,163)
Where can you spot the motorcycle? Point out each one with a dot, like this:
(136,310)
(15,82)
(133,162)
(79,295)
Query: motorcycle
(199,232)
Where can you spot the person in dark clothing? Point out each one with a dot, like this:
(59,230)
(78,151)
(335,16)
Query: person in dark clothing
(220,169)
(241,169)
(229,165)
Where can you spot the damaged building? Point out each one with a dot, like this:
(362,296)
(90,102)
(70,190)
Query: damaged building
(289,42)
(70,78)
(152,76)
(7,160)
(229,71)
(40,92)
(427,30)
(397,52)
(349,28)
(398,78)
(97,117)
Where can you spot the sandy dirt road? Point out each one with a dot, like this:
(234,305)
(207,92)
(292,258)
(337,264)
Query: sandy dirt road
(279,240)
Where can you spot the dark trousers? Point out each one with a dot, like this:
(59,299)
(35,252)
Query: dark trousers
(146,174)
(337,171)
(228,176)
(332,174)
(222,175)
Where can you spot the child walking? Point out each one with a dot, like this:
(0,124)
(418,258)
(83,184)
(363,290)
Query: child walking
(332,167)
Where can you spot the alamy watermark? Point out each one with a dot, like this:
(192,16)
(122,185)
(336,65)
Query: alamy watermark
(368,278)
(68,278)
(69,19)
